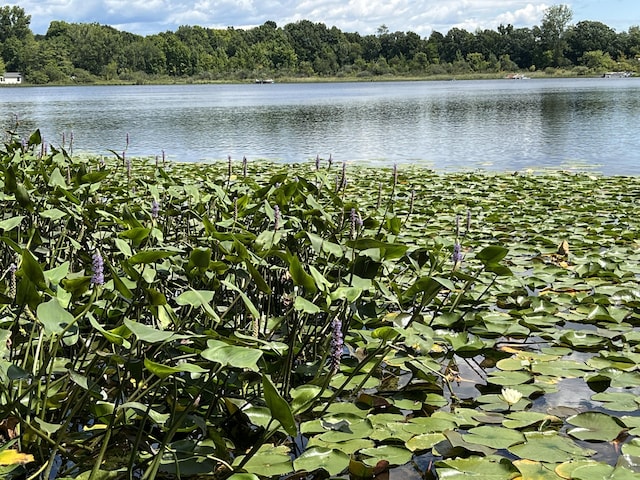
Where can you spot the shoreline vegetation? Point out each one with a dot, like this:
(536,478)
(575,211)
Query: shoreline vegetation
(71,53)
(248,320)
(167,80)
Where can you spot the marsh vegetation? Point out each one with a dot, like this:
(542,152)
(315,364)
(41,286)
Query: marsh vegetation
(252,320)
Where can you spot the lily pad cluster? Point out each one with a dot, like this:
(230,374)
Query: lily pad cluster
(256,320)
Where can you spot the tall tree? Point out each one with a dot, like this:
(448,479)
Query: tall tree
(14,23)
(590,36)
(15,37)
(553,29)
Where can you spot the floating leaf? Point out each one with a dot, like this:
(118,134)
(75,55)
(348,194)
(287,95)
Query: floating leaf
(333,461)
(594,426)
(548,447)
(393,455)
(494,437)
(476,467)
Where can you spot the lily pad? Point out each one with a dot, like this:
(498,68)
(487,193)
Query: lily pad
(594,426)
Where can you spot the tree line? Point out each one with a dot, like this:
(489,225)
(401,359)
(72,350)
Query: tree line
(90,52)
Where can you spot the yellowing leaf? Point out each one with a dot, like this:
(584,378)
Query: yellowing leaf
(13,457)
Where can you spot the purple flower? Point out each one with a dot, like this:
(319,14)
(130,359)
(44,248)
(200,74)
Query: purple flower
(356,223)
(155,208)
(13,285)
(276,217)
(337,344)
(457,254)
(97,266)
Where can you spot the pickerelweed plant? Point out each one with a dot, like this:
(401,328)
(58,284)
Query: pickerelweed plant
(174,320)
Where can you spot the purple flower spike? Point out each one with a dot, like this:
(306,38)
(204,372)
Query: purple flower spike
(276,218)
(155,208)
(337,344)
(457,254)
(97,265)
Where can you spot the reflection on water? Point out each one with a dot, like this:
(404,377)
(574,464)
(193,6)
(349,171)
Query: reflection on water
(502,125)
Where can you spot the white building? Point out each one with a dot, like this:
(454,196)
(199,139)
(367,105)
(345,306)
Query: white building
(11,78)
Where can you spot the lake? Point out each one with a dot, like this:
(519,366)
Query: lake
(503,125)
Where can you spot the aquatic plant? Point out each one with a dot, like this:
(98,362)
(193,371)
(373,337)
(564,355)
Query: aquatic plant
(268,323)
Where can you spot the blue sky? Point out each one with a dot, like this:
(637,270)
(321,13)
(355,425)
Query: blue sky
(364,16)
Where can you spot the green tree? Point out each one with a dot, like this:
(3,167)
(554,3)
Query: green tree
(553,32)
(14,23)
(456,44)
(598,60)
(15,37)
(590,36)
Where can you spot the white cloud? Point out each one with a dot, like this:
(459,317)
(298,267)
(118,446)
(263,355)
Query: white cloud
(362,16)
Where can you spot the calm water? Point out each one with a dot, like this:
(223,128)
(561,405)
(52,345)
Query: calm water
(499,124)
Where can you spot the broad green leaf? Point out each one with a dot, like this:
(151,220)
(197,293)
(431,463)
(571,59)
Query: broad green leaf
(392,454)
(32,269)
(200,257)
(11,223)
(594,426)
(424,441)
(548,447)
(279,407)
(531,470)
(494,437)
(333,461)
(257,278)
(150,256)
(618,401)
(300,277)
(198,298)
(269,461)
(164,371)
(54,318)
(148,334)
(55,275)
(232,355)
(303,305)
(476,467)
(492,254)
(53,214)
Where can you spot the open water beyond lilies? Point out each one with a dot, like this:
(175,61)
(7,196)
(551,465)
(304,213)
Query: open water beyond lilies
(503,125)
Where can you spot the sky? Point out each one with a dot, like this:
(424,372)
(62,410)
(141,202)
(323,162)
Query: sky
(147,17)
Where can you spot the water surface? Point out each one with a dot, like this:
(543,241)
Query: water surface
(504,125)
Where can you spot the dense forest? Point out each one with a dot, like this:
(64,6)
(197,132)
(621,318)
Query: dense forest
(86,53)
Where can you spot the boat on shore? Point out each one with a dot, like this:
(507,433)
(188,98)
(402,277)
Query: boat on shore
(617,74)
(264,80)
(516,76)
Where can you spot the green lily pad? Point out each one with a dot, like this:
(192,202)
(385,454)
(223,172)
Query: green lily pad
(618,401)
(333,461)
(424,441)
(476,467)
(594,426)
(494,437)
(269,461)
(531,470)
(548,447)
(525,419)
(393,455)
